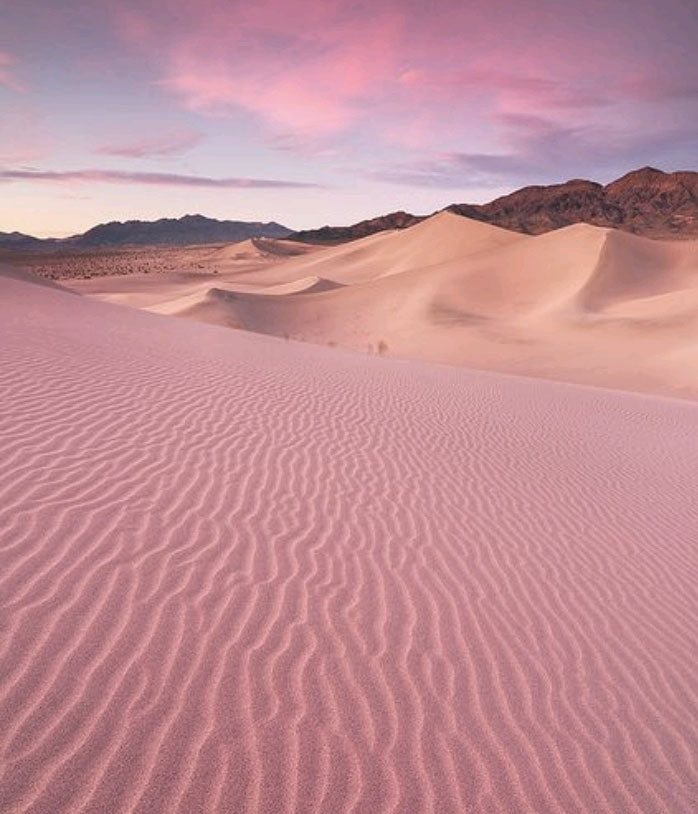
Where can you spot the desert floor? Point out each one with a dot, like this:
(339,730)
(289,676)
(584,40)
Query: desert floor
(244,574)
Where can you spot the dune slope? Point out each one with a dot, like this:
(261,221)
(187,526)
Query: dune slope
(442,238)
(581,304)
(242,574)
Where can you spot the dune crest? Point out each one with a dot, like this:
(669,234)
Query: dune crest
(440,239)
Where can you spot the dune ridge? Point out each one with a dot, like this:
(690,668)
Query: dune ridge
(583,304)
(242,574)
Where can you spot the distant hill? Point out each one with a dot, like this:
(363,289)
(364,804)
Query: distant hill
(341,234)
(186,231)
(646,202)
(17,240)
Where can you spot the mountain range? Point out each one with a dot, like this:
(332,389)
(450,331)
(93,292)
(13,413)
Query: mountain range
(646,202)
(189,230)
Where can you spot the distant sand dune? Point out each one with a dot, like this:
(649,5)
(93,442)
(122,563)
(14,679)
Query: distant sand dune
(444,238)
(245,575)
(578,304)
(581,304)
(262,247)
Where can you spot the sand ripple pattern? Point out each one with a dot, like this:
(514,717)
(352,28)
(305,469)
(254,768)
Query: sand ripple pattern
(245,575)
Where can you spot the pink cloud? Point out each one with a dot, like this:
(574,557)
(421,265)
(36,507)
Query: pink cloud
(168,144)
(305,145)
(398,72)
(148,178)
(504,90)
(302,66)
(7,78)
(13,156)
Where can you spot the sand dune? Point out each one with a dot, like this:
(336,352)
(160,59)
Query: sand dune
(579,304)
(263,247)
(214,304)
(27,276)
(441,239)
(304,285)
(239,574)
(170,279)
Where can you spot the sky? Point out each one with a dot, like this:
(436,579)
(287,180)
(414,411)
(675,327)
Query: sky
(310,112)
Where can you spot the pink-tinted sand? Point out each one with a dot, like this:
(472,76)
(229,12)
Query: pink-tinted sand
(242,574)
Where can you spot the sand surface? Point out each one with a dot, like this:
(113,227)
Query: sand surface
(239,574)
(580,304)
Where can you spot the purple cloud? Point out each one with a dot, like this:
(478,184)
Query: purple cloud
(540,150)
(150,178)
(167,144)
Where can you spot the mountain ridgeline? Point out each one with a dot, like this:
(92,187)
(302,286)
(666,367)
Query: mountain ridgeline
(646,202)
(187,231)
(190,230)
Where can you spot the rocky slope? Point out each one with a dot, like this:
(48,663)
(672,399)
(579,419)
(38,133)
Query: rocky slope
(647,202)
(341,234)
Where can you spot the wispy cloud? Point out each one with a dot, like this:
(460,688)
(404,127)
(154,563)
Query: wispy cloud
(149,178)
(167,144)
(10,156)
(302,145)
(534,89)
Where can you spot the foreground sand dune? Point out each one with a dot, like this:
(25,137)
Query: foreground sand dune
(241,574)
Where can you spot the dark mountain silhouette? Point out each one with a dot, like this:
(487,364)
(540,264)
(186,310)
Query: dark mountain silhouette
(186,231)
(341,234)
(17,240)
